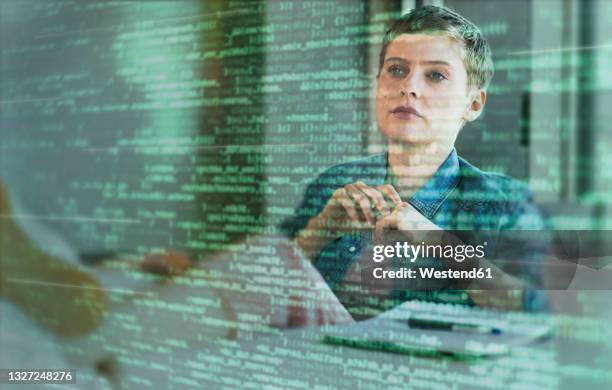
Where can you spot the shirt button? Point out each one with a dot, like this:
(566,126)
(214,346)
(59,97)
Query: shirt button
(352,248)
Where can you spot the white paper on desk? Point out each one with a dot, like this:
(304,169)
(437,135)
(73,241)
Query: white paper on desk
(391,330)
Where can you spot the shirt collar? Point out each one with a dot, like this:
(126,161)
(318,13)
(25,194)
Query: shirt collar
(428,199)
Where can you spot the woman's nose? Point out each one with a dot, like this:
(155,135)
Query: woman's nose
(411,85)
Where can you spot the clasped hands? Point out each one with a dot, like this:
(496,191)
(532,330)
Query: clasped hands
(358,206)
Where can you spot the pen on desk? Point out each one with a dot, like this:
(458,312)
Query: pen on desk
(421,323)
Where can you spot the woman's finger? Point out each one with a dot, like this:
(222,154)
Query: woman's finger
(350,210)
(376,198)
(362,201)
(342,198)
(388,223)
(391,193)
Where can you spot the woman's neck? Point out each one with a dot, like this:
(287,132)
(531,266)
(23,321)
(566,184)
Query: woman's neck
(414,164)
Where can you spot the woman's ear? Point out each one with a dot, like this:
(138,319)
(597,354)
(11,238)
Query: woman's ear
(477,103)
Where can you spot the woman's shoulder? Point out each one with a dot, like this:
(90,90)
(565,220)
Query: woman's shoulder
(508,201)
(491,185)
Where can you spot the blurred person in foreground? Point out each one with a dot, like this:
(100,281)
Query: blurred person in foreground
(56,312)
(60,296)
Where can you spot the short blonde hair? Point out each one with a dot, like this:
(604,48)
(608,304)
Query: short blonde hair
(432,19)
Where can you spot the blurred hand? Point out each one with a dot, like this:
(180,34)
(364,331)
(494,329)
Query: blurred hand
(169,263)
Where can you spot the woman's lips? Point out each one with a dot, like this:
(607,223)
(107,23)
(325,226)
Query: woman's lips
(405,113)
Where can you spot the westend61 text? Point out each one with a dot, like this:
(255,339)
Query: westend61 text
(432,273)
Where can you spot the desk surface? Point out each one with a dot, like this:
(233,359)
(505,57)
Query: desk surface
(297,359)
(577,357)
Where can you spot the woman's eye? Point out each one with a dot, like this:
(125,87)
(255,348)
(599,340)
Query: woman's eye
(395,70)
(436,76)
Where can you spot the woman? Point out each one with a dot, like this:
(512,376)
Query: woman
(434,70)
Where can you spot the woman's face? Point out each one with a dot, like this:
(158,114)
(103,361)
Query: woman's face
(422,90)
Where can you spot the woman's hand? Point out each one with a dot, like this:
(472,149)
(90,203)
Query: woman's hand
(503,291)
(407,220)
(351,208)
(357,206)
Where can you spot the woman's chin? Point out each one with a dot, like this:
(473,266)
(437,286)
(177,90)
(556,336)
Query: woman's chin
(409,135)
